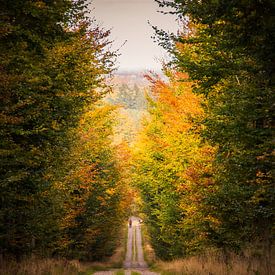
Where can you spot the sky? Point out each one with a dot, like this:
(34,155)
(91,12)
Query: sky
(128,20)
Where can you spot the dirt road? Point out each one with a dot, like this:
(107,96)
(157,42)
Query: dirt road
(134,256)
(134,260)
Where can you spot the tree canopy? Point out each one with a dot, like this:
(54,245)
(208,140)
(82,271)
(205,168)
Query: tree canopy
(53,63)
(221,194)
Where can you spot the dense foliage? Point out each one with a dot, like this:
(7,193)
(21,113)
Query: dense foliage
(173,166)
(53,151)
(203,160)
(227,49)
(94,196)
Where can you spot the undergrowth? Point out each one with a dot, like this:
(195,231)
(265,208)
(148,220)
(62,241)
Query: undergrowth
(214,262)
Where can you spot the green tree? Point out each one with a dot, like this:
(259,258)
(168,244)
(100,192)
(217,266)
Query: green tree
(52,60)
(227,49)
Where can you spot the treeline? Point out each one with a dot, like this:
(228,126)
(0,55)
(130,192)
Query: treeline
(60,186)
(130,97)
(204,158)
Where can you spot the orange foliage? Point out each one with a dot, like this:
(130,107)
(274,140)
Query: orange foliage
(180,104)
(173,158)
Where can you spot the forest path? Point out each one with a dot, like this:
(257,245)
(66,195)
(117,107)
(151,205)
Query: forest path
(134,260)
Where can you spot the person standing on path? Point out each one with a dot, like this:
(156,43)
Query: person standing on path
(130,222)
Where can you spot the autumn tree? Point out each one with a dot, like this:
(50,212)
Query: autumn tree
(92,193)
(227,48)
(52,60)
(173,167)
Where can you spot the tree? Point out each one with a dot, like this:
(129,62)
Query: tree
(227,49)
(52,60)
(173,168)
(93,191)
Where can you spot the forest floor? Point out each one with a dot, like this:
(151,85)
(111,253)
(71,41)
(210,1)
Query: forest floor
(134,260)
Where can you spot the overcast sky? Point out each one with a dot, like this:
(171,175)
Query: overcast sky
(128,20)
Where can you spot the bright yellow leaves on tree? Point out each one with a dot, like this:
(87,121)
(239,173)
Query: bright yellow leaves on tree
(174,164)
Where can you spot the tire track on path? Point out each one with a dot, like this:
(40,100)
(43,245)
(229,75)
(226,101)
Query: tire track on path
(134,259)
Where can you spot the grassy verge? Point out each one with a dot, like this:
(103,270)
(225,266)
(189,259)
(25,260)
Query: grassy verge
(148,251)
(36,266)
(50,266)
(214,262)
